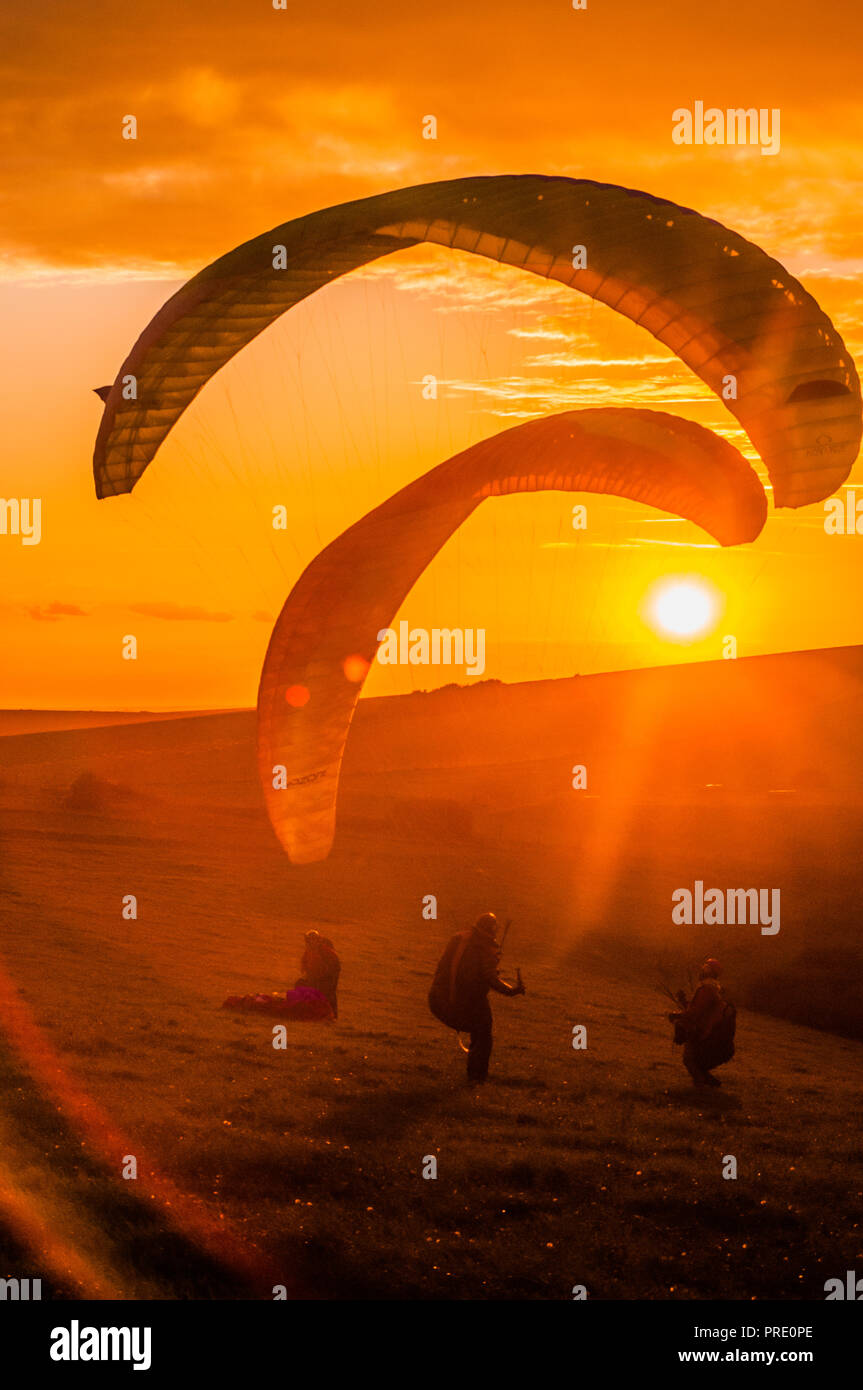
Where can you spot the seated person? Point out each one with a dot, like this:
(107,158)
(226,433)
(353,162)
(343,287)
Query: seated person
(321,968)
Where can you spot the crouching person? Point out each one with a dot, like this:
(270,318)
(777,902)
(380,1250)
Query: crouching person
(706,1027)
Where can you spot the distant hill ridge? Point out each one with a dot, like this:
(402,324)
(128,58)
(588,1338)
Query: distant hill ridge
(780,722)
(787,723)
(38,721)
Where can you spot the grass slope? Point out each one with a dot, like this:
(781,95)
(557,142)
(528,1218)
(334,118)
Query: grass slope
(599,1167)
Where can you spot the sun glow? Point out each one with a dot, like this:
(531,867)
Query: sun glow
(682,609)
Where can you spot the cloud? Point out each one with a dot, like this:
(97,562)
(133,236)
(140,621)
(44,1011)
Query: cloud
(180,613)
(575,360)
(550,335)
(542,395)
(460,282)
(245,122)
(50,612)
(682,545)
(257,115)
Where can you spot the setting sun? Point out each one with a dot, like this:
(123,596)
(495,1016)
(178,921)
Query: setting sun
(682,609)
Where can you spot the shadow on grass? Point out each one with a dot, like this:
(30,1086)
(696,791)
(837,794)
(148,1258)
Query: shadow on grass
(700,1098)
(144,1246)
(17,1262)
(385,1113)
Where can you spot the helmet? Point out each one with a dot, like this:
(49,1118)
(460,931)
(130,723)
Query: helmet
(487,924)
(711,969)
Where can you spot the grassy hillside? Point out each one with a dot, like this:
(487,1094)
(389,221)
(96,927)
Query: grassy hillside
(599,1167)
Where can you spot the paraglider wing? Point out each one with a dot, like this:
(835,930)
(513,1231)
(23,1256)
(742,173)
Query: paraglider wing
(728,310)
(327,633)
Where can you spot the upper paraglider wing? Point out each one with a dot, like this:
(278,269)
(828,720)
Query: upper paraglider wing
(327,633)
(728,310)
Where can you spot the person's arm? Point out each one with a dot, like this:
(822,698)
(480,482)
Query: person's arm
(501,987)
(488,973)
(693,1015)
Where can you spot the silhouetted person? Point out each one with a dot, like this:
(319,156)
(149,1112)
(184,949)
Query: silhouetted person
(705,1026)
(466,972)
(321,968)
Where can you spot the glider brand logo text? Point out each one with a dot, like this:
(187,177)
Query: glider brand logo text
(437,646)
(737,126)
(718,907)
(21,516)
(77,1343)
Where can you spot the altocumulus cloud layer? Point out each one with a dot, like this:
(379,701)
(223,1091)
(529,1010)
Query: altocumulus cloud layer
(248,116)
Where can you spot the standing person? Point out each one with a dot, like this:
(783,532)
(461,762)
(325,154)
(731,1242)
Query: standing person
(321,968)
(706,1026)
(466,972)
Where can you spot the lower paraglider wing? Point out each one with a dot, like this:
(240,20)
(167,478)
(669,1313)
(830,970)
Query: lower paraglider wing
(326,636)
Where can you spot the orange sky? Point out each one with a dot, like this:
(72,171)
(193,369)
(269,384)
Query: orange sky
(248,116)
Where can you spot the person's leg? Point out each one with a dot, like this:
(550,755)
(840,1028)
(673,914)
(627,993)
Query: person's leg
(704,1056)
(480,1044)
(691,1063)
